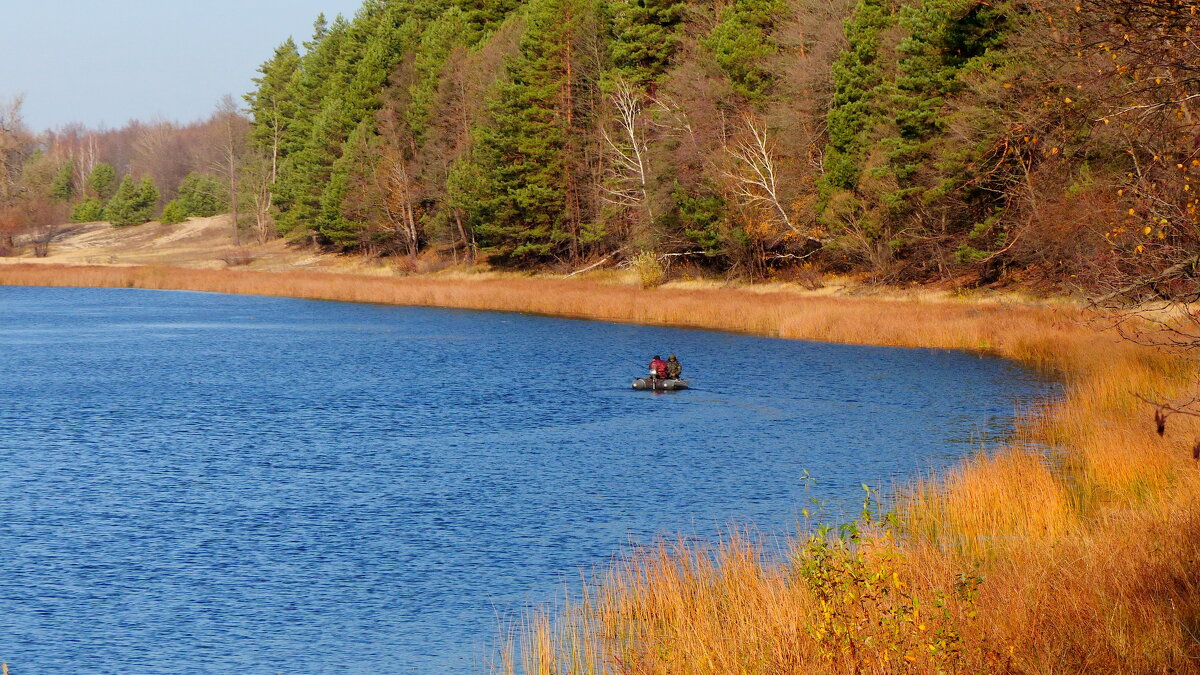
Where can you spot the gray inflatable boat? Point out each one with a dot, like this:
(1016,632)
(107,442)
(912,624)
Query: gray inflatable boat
(646,383)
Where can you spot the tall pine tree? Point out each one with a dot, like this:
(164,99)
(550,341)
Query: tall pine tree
(526,161)
(644,37)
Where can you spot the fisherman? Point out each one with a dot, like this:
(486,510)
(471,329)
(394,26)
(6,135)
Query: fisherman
(658,369)
(674,368)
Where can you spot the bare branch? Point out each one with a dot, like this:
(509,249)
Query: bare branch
(627,178)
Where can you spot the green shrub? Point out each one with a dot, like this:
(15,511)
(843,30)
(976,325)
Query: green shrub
(89,210)
(133,204)
(173,213)
(202,196)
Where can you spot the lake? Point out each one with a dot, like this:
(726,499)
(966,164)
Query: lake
(203,483)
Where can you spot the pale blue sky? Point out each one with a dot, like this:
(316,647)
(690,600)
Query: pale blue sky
(109,61)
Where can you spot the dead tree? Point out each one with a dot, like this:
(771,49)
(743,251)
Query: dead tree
(232,129)
(398,194)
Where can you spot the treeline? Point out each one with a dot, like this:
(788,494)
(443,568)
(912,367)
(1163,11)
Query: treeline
(127,176)
(913,139)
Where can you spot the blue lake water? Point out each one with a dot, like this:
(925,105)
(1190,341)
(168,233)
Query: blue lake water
(206,483)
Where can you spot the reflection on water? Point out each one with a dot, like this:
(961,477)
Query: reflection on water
(206,482)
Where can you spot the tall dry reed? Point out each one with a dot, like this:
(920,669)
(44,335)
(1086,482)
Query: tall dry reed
(1073,550)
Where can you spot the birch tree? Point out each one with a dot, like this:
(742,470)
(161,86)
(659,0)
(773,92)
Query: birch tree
(627,175)
(754,174)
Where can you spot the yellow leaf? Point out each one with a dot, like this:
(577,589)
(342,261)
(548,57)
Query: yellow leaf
(1146,230)
(1067,99)
(1133,212)
(1139,249)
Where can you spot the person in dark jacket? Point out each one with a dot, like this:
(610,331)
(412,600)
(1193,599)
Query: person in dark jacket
(658,368)
(674,368)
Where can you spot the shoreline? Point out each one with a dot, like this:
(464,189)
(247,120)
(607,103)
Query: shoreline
(1009,511)
(572,299)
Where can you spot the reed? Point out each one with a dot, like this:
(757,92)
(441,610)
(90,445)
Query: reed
(1071,550)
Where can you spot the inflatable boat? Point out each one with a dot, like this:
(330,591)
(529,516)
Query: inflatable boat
(659,385)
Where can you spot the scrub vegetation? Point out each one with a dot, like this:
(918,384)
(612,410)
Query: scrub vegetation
(1015,561)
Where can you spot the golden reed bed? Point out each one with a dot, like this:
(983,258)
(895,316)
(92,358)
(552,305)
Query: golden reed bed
(1083,559)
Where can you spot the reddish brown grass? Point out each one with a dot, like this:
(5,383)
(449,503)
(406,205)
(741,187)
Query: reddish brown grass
(1081,559)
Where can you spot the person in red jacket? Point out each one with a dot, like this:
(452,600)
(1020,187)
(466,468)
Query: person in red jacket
(658,368)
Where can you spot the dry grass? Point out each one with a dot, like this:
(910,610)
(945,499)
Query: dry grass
(1079,560)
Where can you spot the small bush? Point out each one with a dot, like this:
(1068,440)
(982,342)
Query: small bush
(650,269)
(238,257)
(173,213)
(88,211)
(432,263)
(403,265)
(806,275)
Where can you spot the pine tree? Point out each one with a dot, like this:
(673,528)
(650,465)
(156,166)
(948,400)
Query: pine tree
(202,195)
(102,181)
(272,106)
(526,159)
(305,151)
(859,79)
(377,41)
(62,187)
(126,206)
(644,37)
(335,226)
(173,213)
(741,41)
(147,197)
(338,90)
(483,14)
(451,29)
(944,37)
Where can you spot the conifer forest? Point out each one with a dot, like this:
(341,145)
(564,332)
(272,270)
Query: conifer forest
(904,138)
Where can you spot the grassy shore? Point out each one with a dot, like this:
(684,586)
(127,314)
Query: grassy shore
(1081,560)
